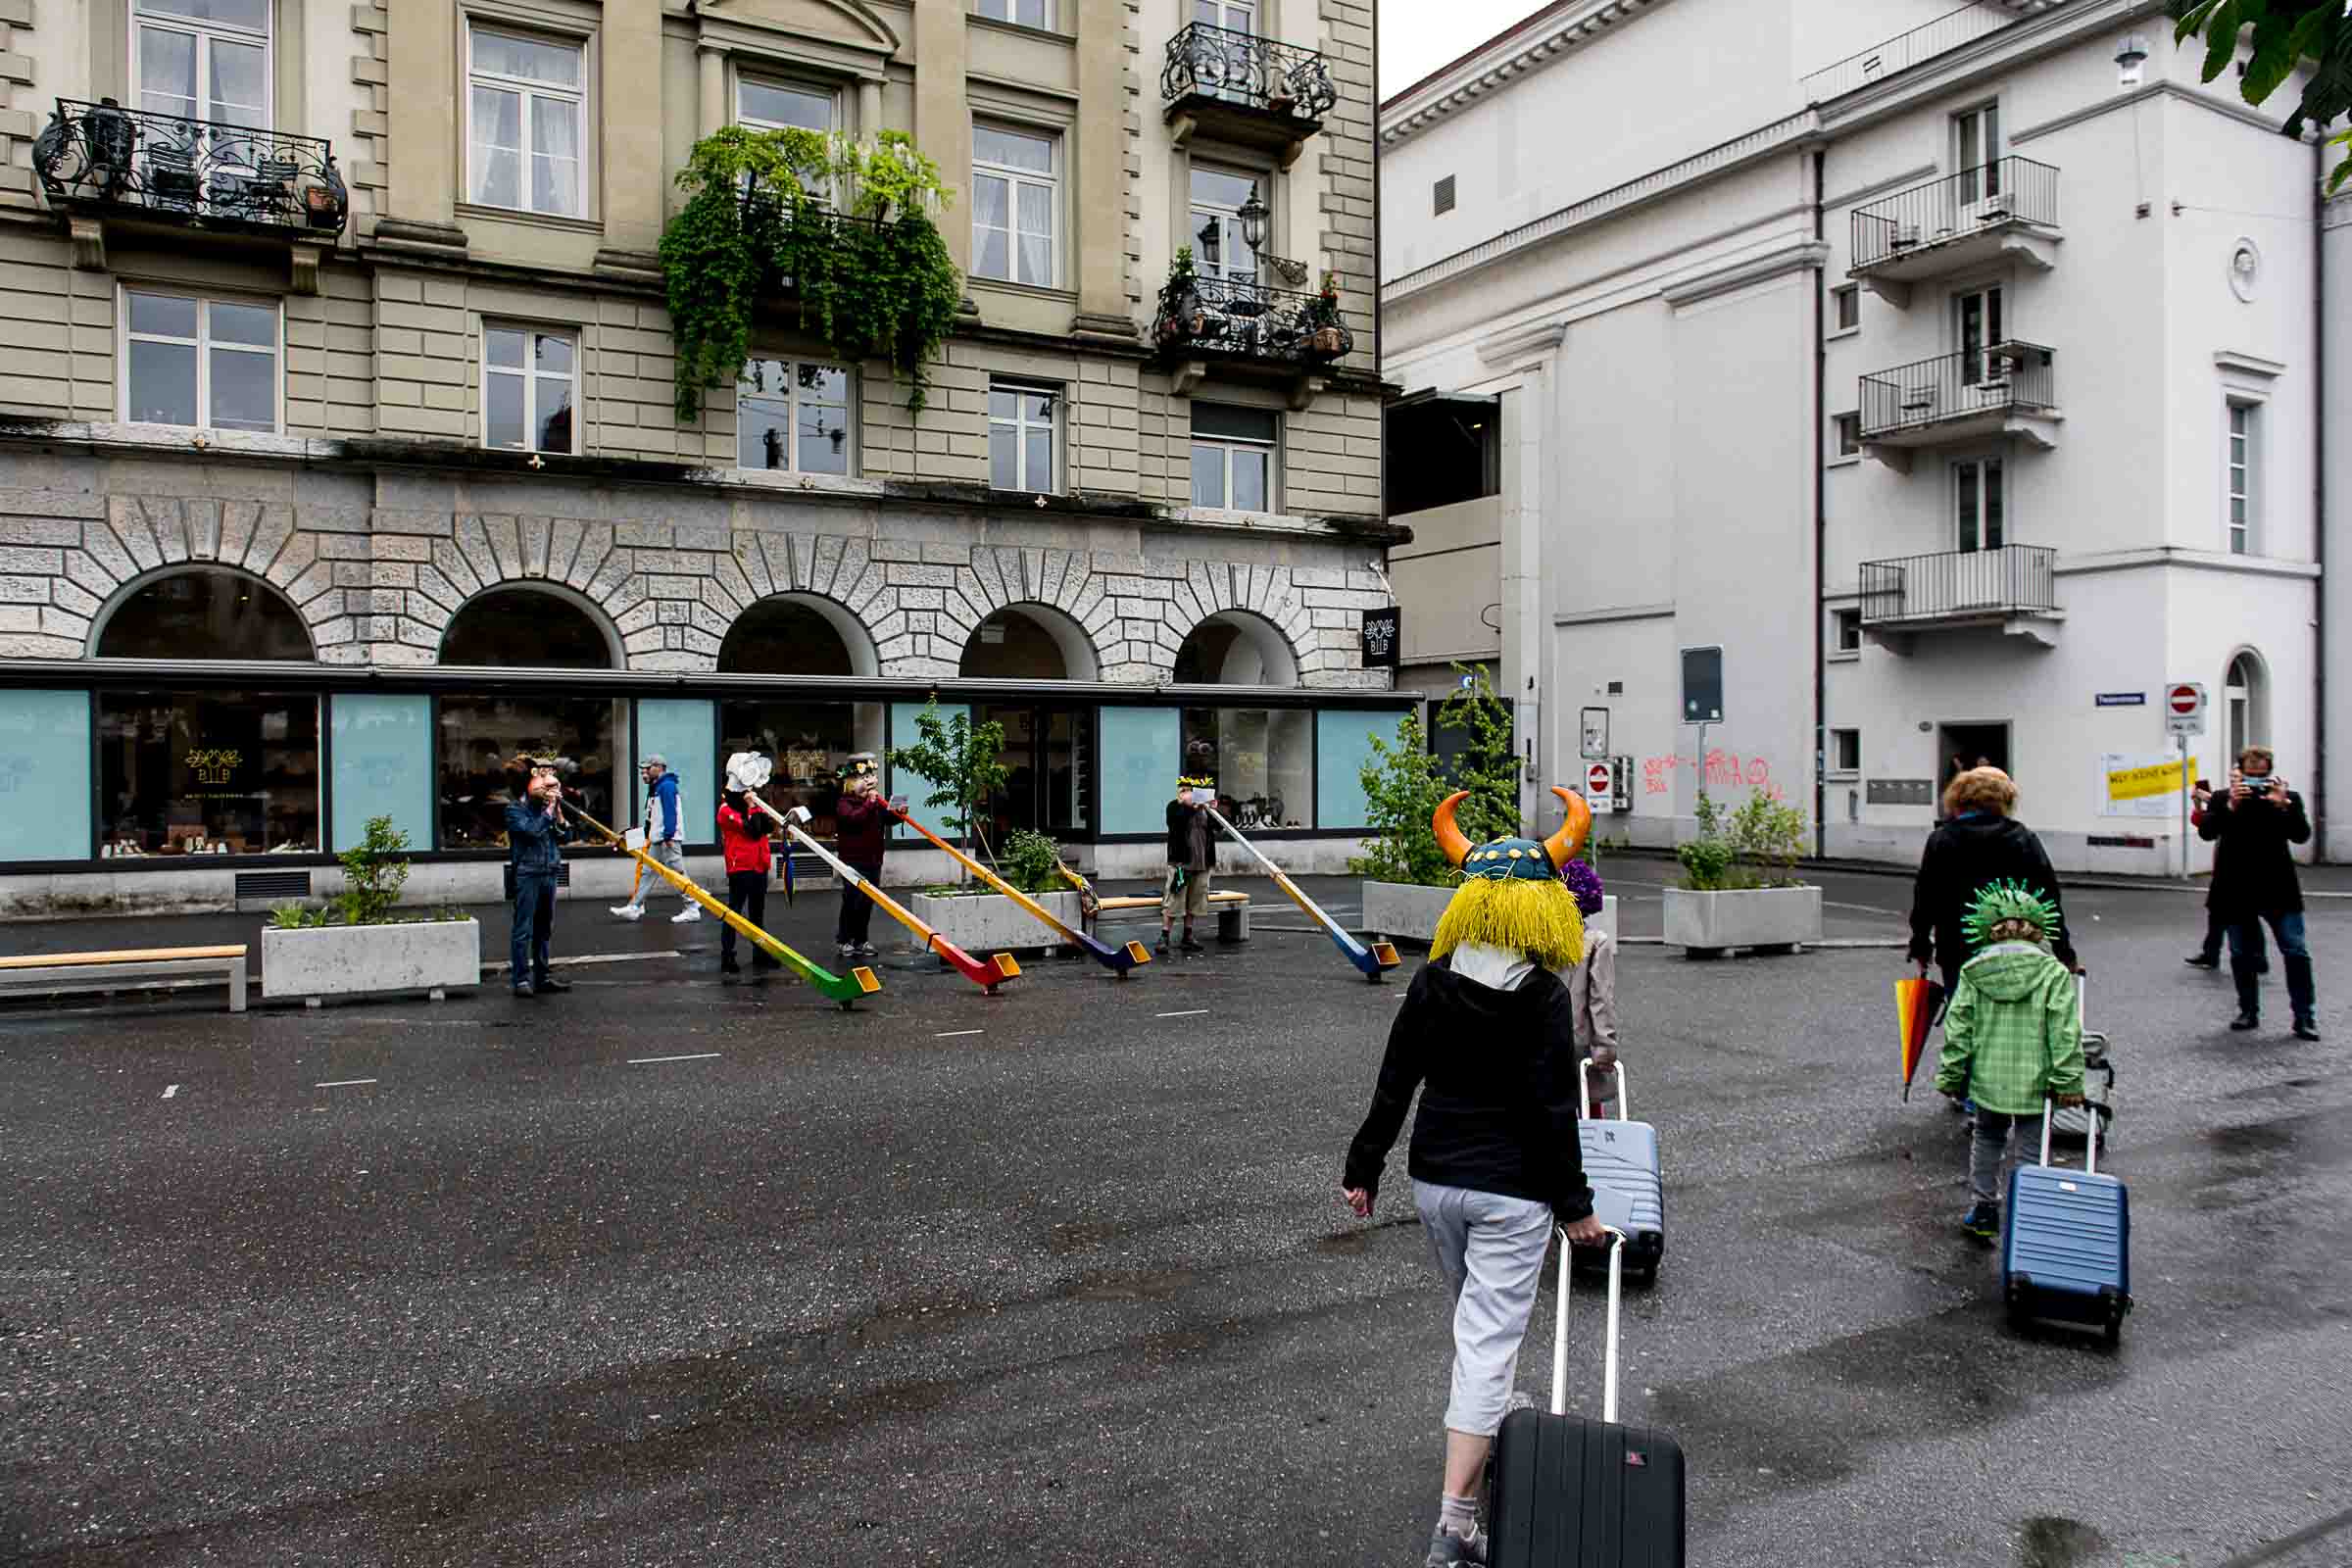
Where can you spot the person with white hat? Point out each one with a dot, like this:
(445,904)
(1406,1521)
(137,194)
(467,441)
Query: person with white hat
(666,839)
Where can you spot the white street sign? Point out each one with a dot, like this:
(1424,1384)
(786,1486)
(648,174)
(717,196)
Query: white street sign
(2184,708)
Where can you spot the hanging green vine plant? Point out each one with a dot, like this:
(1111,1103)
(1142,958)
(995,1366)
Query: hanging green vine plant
(842,228)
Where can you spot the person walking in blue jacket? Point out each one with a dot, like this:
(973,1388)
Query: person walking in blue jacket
(535,835)
(664,839)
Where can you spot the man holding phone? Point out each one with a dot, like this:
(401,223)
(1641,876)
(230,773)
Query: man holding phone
(2254,827)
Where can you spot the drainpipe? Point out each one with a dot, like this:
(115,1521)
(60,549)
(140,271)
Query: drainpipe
(2317,799)
(1820,524)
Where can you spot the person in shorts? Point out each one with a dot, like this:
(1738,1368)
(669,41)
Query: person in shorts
(1192,865)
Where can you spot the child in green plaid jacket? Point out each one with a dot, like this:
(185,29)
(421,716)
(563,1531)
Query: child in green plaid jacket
(2012,1035)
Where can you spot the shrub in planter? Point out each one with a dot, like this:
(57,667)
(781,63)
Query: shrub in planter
(1408,878)
(1739,887)
(358,943)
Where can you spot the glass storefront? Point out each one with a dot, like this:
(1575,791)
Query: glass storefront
(208,772)
(810,742)
(485,743)
(1262,759)
(1140,748)
(1343,746)
(1045,761)
(383,766)
(205,612)
(44,775)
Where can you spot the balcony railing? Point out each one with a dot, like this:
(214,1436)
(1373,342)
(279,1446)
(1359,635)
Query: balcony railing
(2007,376)
(1240,68)
(1234,317)
(1907,49)
(1960,585)
(197,171)
(2008,190)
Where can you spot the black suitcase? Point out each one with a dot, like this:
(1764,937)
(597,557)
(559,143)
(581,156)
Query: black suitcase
(1573,1492)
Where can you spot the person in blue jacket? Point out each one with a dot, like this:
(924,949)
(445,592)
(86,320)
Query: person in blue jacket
(536,832)
(664,839)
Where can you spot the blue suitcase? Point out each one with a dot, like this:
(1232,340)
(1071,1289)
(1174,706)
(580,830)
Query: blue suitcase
(2065,1242)
(1621,1166)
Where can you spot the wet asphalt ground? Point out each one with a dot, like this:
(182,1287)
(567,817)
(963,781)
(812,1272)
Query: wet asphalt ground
(664,1271)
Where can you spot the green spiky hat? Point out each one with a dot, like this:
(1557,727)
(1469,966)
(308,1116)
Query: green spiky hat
(1997,904)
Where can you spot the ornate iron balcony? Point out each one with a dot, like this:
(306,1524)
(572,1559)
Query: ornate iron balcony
(197,171)
(1960,585)
(1910,402)
(1240,68)
(1944,213)
(1233,318)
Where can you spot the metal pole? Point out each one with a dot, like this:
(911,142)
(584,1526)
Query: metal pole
(2186,869)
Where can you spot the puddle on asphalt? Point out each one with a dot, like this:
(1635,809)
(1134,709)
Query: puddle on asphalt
(2052,1541)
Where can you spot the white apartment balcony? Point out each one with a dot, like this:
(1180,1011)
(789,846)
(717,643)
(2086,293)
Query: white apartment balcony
(2004,211)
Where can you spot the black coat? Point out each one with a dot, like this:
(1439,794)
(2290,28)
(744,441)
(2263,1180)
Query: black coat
(1181,818)
(1496,1071)
(2253,869)
(1962,855)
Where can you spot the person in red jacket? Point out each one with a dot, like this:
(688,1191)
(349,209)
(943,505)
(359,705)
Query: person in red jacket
(860,820)
(743,838)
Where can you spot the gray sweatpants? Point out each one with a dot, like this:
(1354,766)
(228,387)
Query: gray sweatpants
(1989,1153)
(670,853)
(1491,1249)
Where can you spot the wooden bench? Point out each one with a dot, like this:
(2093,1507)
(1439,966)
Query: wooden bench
(100,971)
(1232,910)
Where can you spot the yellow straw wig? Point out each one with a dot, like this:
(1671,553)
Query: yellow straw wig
(1539,918)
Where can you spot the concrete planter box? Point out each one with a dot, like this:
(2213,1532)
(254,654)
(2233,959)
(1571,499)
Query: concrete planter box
(988,922)
(337,960)
(1705,924)
(1403,911)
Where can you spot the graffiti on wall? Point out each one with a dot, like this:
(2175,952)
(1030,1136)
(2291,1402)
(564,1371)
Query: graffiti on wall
(1718,770)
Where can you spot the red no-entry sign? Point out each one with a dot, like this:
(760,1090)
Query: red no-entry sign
(1596,779)
(2184,708)
(2185,699)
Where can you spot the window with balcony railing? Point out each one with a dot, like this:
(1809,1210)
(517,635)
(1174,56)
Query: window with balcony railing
(204,172)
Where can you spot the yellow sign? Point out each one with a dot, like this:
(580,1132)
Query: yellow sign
(2141,783)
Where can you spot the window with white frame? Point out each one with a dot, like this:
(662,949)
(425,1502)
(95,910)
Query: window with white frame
(1848,626)
(525,117)
(528,378)
(2245,450)
(1849,435)
(1847,303)
(1028,13)
(203,59)
(205,363)
(1233,456)
(793,416)
(1979,504)
(1219,247)
(1024,427)
(1017,202)
(1977,152)
(775,104)
(1845,751)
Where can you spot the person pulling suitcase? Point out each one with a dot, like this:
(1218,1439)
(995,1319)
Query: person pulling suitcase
(1492,1174)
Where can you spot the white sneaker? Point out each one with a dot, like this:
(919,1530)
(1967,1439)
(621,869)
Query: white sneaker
(688,913)
(629,911)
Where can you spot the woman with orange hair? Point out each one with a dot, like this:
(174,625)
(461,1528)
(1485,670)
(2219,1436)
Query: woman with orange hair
(1487,1036)
(1979,843)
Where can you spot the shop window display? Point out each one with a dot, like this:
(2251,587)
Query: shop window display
(208,773)
(485,747)
(811,743)
(1262,759)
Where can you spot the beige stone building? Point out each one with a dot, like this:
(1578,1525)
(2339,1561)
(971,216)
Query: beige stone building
(339,452)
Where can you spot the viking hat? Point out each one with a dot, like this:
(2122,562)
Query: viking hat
(1511,894)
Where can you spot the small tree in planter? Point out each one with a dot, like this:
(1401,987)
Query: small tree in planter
(1408,878)
(964,763)
(374,870)
(359,942)
(1740,886)
(1179,318)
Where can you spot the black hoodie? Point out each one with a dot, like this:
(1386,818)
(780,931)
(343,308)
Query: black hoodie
(1962,855)
(1496,1071)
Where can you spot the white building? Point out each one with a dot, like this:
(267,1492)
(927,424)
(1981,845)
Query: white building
(1955,377)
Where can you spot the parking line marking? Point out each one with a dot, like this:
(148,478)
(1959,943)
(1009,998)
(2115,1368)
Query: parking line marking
(1188,1012)
(169,1089)
(644,1061)
(344,1083)
(951,1034)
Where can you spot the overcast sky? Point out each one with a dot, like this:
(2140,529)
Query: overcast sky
(1417,37)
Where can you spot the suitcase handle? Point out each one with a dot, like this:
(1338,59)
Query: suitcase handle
(2090,1136)
(1584,1091)
(1559,1338)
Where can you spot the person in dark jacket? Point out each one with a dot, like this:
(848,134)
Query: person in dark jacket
(2216,925)
(860,820)
(743,839)
(1978,845)
(1191,863)
(1487,1036)
(2253,828)
(536,833)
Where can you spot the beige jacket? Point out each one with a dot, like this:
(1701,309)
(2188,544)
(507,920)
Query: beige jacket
(1592,992)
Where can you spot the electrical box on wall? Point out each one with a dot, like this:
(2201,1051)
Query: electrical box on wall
(1621,784)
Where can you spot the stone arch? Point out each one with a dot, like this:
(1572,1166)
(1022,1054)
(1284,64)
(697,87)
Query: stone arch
(739,650)
(1037,635)
(584,634)
(209,595)
(1237,648)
